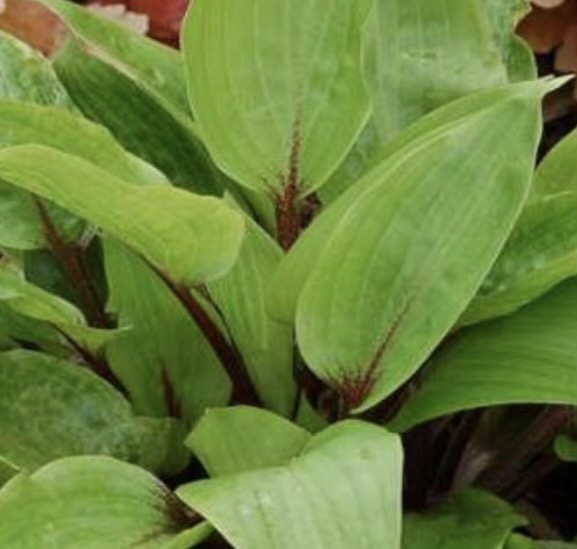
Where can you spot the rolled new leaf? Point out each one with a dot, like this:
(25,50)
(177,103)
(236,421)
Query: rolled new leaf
(192,239)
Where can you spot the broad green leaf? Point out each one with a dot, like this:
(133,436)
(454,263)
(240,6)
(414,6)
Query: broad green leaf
(566,448)
(21,226)
(528,357)
(51,408)
(147,61)
(277,89)
(192,238)
(28,76)
(294,270)
(516,54)
(25,123)
(162,357)
(32,302)
(93,503)
(541,252)
(265,344)
(343,491)
(408,254)
(473,519)
(137,119)
(421,55)
(238,439)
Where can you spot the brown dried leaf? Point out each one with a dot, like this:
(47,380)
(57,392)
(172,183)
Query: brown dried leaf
(544,29)
(31,23)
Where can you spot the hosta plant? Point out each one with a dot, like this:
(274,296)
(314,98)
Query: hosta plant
(296,286)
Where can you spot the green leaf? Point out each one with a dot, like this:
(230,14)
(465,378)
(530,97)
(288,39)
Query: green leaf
(51,408)
(516,54)
(32,302)
(296,267)
(21,226)
(238,439)
(93,503)
(421,55)
(162,357)
(265,344)
(556,173)
(277,89)
(343,491)
(137,119)
(528,357)
(541,252)
(473,519)
(28,76)
(415,253)
(192,238)
(566,448)
(147,61)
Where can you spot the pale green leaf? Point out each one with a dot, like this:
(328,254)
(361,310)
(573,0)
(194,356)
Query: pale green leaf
(149,62)
(28,76)
(51,408)
(516,54)
(238,439)
(21,226)
(192,238)
(161,358)
(528,357)
(265,344)
(137,119)
(343,491)
(421,55)
(541,252)
(473,519)
(32,302)
(92,503)
(408,254)
(277,88)
(294,270)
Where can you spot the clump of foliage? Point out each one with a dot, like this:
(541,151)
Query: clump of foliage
(303,271)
